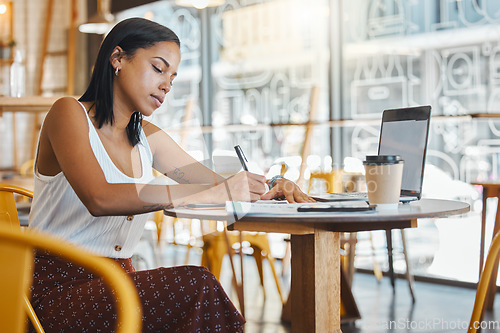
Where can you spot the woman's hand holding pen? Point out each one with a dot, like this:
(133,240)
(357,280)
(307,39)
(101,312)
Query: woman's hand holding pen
(284,188)
(245,186)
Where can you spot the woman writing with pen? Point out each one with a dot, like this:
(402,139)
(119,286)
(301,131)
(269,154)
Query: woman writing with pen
(94,185)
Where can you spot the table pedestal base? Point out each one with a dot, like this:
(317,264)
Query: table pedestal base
(315,290)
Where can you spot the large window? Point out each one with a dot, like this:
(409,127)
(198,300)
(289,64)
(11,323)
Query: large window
(249,67)
(264,70)
(441,53)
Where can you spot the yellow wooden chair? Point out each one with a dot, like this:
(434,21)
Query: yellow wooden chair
(16,254)
(333,180)
(26,168)
(9,218)
(482,287)
(8,202)
(166,224)
(159,224)
(215,248)
(335,183)
(218,244)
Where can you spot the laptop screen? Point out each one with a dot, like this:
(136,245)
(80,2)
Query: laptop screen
(404,132)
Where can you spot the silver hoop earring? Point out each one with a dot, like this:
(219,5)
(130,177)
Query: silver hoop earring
(116,71)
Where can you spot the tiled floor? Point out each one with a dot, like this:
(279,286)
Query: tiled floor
(438,308)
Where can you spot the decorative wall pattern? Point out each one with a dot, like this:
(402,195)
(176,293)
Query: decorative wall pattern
(265,56)
(443,53)
(267,66)
(185,22)
(263,68)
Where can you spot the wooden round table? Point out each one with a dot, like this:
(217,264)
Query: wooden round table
(315,241)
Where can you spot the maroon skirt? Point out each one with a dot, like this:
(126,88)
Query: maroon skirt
(69,298)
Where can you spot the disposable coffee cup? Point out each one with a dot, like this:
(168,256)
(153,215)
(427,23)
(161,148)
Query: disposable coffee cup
(383,175)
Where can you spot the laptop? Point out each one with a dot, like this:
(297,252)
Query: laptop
(403,132)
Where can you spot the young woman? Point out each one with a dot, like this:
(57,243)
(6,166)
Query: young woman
(94,183)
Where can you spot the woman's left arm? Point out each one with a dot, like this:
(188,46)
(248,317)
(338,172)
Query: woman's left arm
(174,162)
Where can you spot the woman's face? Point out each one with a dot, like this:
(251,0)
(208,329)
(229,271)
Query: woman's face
(144,79)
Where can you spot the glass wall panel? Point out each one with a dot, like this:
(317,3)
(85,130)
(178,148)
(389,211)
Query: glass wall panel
(439,53)
(172,116)
(249,66)
(269,55)
(264,57)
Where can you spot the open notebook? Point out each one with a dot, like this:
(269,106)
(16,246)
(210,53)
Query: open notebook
(403,132)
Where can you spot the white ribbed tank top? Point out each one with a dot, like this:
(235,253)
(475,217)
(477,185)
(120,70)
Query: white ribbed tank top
(57,209)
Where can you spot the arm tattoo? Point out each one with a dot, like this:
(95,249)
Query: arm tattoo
(156,207)
(179,175)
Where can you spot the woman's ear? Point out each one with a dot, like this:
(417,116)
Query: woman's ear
(116,57)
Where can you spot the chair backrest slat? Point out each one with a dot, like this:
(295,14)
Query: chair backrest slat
(483,284)
(16,256)
(8,206)
(15,281)
(18,245)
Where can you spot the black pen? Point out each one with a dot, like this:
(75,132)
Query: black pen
(242,157)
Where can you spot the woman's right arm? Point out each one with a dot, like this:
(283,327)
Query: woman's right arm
(65,147)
